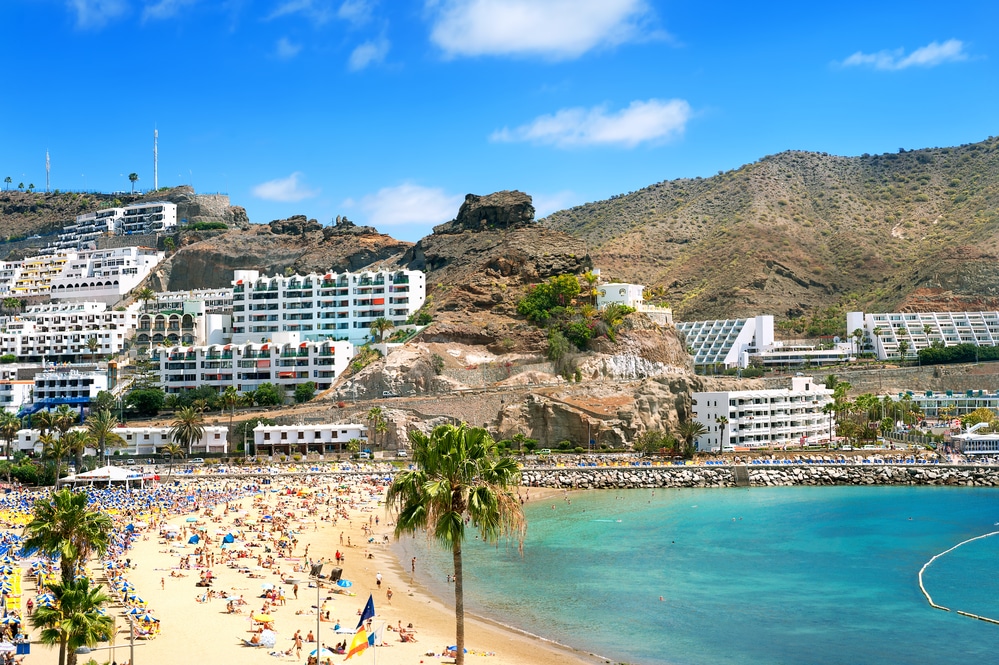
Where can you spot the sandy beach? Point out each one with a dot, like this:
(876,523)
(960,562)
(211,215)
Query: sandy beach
(196,627)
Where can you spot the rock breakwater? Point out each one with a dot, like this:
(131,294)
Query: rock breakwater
(760,476)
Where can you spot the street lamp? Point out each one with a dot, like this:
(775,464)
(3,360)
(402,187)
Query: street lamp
(131,644)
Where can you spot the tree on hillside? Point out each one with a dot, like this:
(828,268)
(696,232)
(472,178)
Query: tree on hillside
(376,418)
(10,425)
(459,479)
(20,186)
(6,182)
(380,326)
(144,295)
(31,187)
(11,304)
(230,399)
(858,340)
(132,178)
(591,279)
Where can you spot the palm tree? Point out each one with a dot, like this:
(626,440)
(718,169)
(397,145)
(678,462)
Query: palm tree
(93,344)
(689,431)
(64,417)
(375,418)
(230,399)
(101,428)
(12,304)
(380,326)
(458,480)
(132,178)
(591,279)
(76,442)
(173,450)
(723,424)
(63,526)
(145,294)
(75,618)
(10,425)
(54,449)
(354,446)
(43,421)
(187,428)
(903,349)
(6,182)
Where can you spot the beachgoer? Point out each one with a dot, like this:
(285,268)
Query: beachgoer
(388,595)
(378,580)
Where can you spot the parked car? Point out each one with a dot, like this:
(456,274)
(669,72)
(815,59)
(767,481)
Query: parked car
(402,453)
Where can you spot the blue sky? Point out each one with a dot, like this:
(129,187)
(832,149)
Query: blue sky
(391,111)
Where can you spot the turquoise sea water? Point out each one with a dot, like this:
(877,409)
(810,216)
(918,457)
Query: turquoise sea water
(747,576)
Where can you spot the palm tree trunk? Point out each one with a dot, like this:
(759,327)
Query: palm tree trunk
(62,650)
(459,605)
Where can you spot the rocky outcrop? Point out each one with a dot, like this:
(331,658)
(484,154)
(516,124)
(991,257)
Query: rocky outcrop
(342,225)
(296,225)
(497,211)
(195,207)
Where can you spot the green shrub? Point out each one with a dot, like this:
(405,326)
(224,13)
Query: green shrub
(8,358)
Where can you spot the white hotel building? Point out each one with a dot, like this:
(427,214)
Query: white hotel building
(246,366)
(764,418)
(727,342)
(289,439)
(141,441)
(339,306)
(59,332)
(105,275)
(920,330)
(138,218)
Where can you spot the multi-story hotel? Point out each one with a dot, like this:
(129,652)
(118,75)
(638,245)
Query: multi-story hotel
(61,332)
(246,366)
(888,335)
(189,325)
(289,439)
(105,274)
(55,387)
(217,301)
(14,394)
(339,306)
(763,418)
(138,218)
(728,342)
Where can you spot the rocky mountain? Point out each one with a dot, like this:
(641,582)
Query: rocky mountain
(24,214)
(206,259)
(802,234)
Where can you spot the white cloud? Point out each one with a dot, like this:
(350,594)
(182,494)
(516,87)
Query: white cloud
(931,55)
(408,204)
(357,12)
(368,53)
(163,9)
(284,190)
(558,29)
(317,11)
(655,120)
(96,13)
(286,49)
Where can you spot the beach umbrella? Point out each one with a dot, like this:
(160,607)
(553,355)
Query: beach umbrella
(346,584)
(267,586)
(263,618)
(11,618)
(147,617)
(323,653)
(135,610)
(7,647)
(268,638)
(191,519)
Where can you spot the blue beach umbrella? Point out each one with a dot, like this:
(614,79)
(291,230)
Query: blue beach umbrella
(346,584)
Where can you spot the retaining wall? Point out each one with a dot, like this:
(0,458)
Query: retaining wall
(760,476)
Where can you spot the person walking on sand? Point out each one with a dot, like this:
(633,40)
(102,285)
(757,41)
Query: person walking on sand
(388,595)
(378,580)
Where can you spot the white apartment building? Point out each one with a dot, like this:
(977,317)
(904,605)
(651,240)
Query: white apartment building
(10,271)
(788,354)
(188,326)
(72,387)
(14,394)
(884,334)
(289,439)
(338,306)
(970,442)
(141,441)
(728,342)
(137,218)
(764,418)
(632,295)
(216,301)
(245,366)
(60,332)
(105,274)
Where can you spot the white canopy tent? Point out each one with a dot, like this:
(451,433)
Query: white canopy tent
(105,474)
